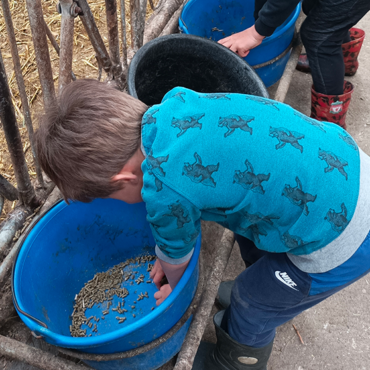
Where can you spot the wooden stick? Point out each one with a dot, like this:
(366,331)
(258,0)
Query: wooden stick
(173,24)
(160,18)
(189,349)
(299,335)
(34,356)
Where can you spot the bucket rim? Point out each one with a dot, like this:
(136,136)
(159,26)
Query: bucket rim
(162,39)
(267,40)
(104,339)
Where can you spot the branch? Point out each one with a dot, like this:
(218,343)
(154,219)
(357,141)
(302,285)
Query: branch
(160,18)
(7,190)
(186,356)
(34,356)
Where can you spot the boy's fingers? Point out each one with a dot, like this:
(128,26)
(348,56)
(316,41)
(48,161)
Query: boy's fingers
(157,267)
(159,301)
(159,298)
(157,279)
(162,294)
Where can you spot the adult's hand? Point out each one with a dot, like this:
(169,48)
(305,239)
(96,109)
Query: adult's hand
(241,43)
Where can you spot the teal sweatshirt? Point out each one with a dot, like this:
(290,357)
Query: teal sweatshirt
(289,183)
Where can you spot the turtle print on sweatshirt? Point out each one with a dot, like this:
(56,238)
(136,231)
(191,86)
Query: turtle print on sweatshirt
(251,164)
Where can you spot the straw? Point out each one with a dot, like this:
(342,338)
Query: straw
(84,66)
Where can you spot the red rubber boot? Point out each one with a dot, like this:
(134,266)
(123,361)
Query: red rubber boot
(303,65)
(331,108)
(350,50)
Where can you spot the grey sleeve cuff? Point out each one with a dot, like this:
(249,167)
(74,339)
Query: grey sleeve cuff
(172,261)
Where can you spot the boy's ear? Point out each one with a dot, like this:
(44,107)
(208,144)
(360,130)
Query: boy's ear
(124,176)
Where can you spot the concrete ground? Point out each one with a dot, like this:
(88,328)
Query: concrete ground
(336,332)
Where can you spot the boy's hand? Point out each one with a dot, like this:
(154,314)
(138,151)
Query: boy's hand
(173,274)
(241,43)
(162,294)
(157,274)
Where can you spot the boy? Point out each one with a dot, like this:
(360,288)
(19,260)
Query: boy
(295,187)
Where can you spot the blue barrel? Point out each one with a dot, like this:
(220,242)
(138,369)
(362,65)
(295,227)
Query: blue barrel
(66,248)
(216,19)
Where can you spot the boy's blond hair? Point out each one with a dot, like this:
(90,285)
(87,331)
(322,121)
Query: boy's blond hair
(87,137)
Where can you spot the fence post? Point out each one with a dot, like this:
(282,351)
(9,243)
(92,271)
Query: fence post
(113,38)
(67,8)
(124,35)
(95,38)
(21,86)
(40,44)
(26,191)
(138,11)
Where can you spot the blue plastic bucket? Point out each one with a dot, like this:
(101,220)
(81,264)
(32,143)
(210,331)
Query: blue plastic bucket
(149,360)
(66,248)
(216,19)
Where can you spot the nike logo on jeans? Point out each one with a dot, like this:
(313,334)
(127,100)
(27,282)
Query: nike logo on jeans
(285,279)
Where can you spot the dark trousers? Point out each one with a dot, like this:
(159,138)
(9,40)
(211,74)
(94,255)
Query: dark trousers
(273,290)
(323,32)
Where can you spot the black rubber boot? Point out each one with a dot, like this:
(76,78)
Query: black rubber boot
(228,354)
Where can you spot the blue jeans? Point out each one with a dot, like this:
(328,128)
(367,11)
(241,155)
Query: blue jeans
(273,291)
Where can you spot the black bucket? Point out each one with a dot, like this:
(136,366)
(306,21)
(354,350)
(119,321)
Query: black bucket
(193,62)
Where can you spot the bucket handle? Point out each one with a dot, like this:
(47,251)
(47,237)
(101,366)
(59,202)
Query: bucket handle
(15,298)
(13,293)
(35,221)
(28,315)
(180,16)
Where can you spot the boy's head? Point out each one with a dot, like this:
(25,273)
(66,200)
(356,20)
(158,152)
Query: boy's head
(86,138)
